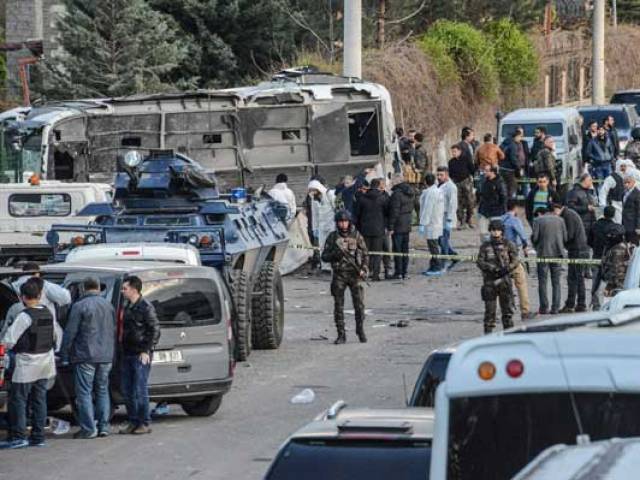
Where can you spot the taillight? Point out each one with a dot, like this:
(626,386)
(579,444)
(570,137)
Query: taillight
(206,241)
(486,371)
(232,360)
(2,350)
(77,241)
(515,368)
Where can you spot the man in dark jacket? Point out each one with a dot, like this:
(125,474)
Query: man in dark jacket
(600,155)
(610,126)
(400,214)
(577,248)
(493,199)
(461,170)
(631,210)
(88,344)
(539,135)
(583,201)
(141,332)
(515,159)
(542,196)
(598,242)
(371,218)
(589,135)
(548,238)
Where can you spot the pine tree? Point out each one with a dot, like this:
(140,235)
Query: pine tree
(629,11)
(113,48)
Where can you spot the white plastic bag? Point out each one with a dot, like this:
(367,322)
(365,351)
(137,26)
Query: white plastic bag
(305,396)
(58,426)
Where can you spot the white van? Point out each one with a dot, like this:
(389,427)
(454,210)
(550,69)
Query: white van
(508,396)
(563,124)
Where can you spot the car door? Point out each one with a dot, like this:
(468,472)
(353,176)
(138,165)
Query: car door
(193,344)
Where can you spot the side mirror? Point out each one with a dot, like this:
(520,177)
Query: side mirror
(573,139)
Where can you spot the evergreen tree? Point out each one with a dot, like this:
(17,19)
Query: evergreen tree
(113,48)
(629,11)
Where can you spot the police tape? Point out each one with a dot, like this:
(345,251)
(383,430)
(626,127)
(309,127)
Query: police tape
(472,258)
(565,180)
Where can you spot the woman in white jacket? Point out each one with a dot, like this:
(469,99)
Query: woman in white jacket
(322,213)
(432,221)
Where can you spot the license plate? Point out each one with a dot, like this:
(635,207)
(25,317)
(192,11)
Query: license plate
(167,356)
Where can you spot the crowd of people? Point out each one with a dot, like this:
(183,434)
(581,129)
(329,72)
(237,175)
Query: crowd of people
(34,339)
(478,188)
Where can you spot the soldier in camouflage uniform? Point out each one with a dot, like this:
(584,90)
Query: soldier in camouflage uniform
(497,258)
(615,261)
(346,251)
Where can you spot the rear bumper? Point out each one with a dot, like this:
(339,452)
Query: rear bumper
(192,389)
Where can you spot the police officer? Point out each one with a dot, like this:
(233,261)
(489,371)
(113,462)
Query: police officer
(615,261)
(346,251)
(497,259)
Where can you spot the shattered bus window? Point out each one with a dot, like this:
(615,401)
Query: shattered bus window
(363,133)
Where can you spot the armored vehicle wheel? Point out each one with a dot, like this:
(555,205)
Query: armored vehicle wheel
(268,308)
(203,408)
(241,289)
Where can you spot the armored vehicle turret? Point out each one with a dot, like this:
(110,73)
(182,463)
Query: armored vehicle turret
(167,197)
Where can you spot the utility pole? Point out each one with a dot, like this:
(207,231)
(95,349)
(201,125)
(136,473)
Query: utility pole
(597,96)
(614,14)
(382,11)
(353,38)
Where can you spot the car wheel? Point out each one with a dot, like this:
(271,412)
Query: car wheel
(204,407)
(268,308)
(241,288)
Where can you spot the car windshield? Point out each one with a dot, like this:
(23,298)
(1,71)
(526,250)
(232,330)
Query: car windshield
(632,98)
(496,436)
(621,117)
(342,460)
(553,129)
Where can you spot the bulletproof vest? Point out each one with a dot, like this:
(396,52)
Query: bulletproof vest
(39,337)
(616,194)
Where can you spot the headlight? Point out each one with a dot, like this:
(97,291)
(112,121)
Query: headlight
(90,239)
(132,158)
(193,239)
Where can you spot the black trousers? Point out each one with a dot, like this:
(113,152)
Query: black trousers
(386,260)
(401,245)
(575,282)
(374,244)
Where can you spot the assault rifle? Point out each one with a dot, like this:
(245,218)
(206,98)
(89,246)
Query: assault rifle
(353,262)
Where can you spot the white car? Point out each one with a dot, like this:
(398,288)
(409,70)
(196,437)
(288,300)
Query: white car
(160,252)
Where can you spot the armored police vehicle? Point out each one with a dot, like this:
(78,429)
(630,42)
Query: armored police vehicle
(300,123)
(167,197)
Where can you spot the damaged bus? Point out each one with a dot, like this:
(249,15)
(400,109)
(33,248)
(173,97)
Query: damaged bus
(300,123)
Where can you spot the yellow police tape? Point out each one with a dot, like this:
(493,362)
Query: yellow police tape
(473,258)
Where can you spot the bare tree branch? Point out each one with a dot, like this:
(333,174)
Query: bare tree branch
(411,15)
(303,24)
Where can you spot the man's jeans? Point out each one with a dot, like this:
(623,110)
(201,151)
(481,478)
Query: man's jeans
(575,283)
(92,378)
(36,393)
(445,243)
(401,245)
(135,377)
(600,172)
(556,270)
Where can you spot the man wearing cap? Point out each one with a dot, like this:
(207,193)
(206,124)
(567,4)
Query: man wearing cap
(347,252)
(497,259)
(88,344)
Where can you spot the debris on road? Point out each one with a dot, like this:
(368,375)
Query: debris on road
(305,396)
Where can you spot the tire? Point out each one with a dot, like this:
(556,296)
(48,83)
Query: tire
(203,408)
(241,289)
(268,309)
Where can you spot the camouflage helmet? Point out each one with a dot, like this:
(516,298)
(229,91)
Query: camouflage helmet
(342,215)
(615,234)
(496,224)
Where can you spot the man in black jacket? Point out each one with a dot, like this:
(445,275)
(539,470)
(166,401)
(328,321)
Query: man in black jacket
(598,242)
(89,344)
(514,160)
(583,201)
(461,170)
(539,135)
(589,135)
(631,210)
(493,199)
(371,218)
(400,214)
(610,126)
(577,248)
(141,331)
(542,195)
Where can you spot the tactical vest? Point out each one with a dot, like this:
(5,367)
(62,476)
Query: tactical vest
(616,194)
(39,337)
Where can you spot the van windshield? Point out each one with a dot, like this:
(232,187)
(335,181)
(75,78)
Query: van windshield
(494,437)
(553,129)
(337,459)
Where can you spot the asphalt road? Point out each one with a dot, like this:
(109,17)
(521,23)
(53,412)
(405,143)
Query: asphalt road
(256,416)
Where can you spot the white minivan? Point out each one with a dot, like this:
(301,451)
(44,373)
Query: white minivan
(564,124)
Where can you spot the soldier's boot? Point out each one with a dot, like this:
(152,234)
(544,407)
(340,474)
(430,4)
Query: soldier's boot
(360,331)
(507,322)
(342,338)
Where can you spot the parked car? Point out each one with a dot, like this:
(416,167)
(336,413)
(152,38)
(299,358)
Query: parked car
(432,374)
(358,443)
(193,361)
(163,252)
(629,97)
(625,115)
